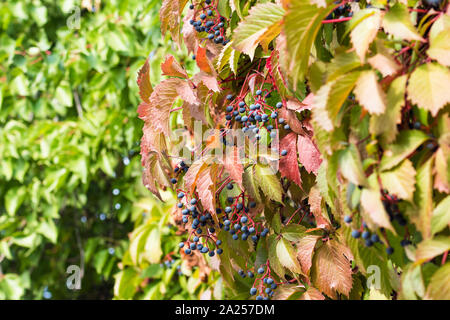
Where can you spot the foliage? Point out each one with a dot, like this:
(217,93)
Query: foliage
(357,96)
(151,263)
(70,176)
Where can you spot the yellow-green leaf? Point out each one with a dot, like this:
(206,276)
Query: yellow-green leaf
(428,87)
(397,22)
(287,257)
(365,31)
(369,92)
(400,180)
(261,25)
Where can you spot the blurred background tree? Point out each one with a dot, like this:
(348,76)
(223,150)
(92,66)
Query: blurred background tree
(70,172)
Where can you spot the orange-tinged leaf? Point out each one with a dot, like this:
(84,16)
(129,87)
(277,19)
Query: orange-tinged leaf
(384,63)
(143,81)
(332,271)
(269,35)
(169,15)
(202,60)
(312,294)
(206,187)
(171,67)
(189,33)
(191,176)
(288,163)
(374,212)
(292,120)
(430,248)
(305,251)
(208,80)
(156,113)
(369,93)
(315,203)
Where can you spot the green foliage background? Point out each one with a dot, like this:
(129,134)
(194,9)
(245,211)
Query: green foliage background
(69,142)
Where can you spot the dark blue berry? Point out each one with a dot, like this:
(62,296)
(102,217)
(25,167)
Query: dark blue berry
(356,234)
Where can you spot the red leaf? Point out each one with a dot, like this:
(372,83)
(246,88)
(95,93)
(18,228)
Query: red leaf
(143,81)
(233,166)
(202,60)
(288,163)
(170,67)
(308,154)
(291,119)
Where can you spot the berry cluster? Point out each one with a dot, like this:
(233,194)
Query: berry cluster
(364,233)
(256,116)
(203,240)
(237,222)
(264,285)
(209,21)
(390,203)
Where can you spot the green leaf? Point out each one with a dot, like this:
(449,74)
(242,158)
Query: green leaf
(412,283)
(125,285)
(14,199)
(407,142)
(261,25)
(351,167)
(438,289)
(152,248)
(287,257)
(275,264)
(250,183)
(301,26)
(228,56)
(268,182)
(329,99)
(441,216)
(276,222)
(440,48)
(48,229)
(397,22)
(439,40)
(423,197)
(293,232)
(428,87)
(342,64)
